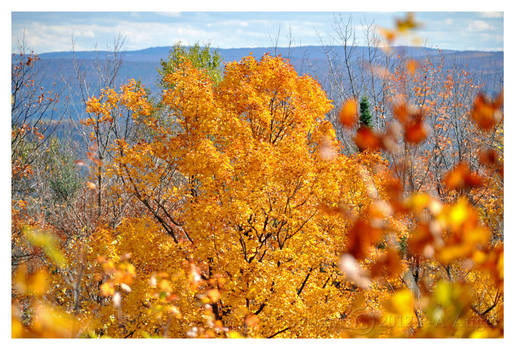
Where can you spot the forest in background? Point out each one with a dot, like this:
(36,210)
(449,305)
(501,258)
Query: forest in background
(253,200)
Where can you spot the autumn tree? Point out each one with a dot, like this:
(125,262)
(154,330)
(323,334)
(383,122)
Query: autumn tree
(263,229)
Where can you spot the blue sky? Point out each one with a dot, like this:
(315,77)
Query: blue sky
(53,31)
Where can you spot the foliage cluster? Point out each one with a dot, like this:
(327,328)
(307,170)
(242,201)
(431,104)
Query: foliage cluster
(229,208)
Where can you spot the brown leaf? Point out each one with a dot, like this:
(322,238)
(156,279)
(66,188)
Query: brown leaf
(389,264)
(490,159)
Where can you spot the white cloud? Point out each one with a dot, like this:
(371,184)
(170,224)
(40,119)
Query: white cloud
(478,26)
(492,14)
(169,14)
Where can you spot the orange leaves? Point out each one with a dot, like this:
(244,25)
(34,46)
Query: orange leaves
(487,113)
(361,237)
(251,321)
(415,131)
(461,177)
(91,185)
(106,106)
(262,202)
(213,295)
(423,240)
(455,232)
(412,119)
(194,276)
(411,122)
(411,67)
(348,115)
(366,139)
(118,276)
(269,100)
(35,284)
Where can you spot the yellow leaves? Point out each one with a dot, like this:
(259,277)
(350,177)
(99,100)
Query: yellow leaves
(500,266)
(107,289)
(420,201)
(447,302)
(401,303)
(399,312)
(234,335)
(244,167)
(119,276)
(454,232)
(465,232)
(50,322)
(407,23)
(194,276)
(485,333)
(33,284)
(17,330)
(271,100)
(458,213)
(403,26)
(47,242)
(213,295)
(105,108)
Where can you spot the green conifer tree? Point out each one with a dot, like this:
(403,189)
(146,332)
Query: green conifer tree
(365,117)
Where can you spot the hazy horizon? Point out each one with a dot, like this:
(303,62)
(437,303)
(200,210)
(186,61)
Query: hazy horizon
(45,32)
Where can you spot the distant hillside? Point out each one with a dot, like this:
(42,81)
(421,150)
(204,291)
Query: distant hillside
(58,67)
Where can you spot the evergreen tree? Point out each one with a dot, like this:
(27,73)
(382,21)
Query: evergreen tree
(365,117)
